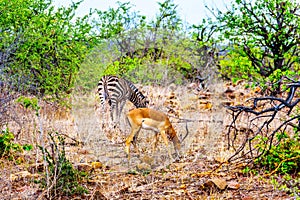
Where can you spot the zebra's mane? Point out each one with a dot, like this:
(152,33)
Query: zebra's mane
(135,89)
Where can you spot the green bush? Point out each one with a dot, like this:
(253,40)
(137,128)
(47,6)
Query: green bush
(66,180)
(283,158)
(8,148)
(287,183)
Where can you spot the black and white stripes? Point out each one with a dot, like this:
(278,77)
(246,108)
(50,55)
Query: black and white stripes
(117,91)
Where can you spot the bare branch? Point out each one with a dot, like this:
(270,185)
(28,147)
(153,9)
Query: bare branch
(261,128)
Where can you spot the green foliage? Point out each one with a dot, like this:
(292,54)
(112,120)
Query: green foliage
(266,33)
(29,103)
(8,148)
(47,46)
(66,179)
(283,157)
(114,22)
(248,170)
(122,67)
(236,65)
(287,183)
(167,18)
(155,73)
(137,49)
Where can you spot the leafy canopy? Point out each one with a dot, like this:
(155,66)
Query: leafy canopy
(43,47)
(266,32)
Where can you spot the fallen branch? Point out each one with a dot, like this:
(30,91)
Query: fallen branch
(275,170)
(266,117)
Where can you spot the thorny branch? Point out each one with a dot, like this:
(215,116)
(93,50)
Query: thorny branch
(259,123)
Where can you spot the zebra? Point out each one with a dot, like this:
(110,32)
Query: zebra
(117,91)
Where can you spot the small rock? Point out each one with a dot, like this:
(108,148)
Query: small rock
(233,185)
(220,183)
(147,159)
(143,167)
(96,165)
(83,151)
(83,167)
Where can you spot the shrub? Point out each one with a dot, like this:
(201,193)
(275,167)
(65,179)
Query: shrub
(8,148)
(62,178)
(284,157)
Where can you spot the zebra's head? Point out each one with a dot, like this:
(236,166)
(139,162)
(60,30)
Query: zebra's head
(143,103)
(137,97)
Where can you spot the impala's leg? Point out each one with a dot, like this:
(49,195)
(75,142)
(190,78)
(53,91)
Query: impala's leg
(135,139)
(134,134)
(134,131)
(155,142)
(165,138)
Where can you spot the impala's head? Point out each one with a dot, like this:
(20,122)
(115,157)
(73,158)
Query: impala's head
(172,136)
(170,131)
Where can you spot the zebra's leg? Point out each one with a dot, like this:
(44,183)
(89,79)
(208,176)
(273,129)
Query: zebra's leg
(115,118)
(104,115)
(111,110)
(122,104)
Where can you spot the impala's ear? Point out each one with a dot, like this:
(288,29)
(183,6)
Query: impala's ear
(167,127)
(169,130)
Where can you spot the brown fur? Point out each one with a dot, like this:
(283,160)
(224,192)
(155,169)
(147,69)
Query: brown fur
(151,119)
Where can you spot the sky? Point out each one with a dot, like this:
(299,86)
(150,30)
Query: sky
(191,11)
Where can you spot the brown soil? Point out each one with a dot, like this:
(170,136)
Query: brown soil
(150,175)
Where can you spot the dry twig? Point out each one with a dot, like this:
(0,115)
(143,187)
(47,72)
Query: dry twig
(261,120)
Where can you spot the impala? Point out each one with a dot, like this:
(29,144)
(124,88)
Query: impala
(146,118)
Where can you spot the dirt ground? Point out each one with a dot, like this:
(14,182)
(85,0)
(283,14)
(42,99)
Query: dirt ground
(151,175)
(205,124)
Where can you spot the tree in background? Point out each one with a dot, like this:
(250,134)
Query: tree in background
(138,48)
(42,48)
(263,37)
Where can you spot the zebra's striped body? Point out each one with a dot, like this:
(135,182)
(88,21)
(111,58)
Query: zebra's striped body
(117,91)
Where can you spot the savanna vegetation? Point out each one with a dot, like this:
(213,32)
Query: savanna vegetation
(231,81)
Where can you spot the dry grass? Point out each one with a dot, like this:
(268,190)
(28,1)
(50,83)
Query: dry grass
(202,150)
(205,126)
